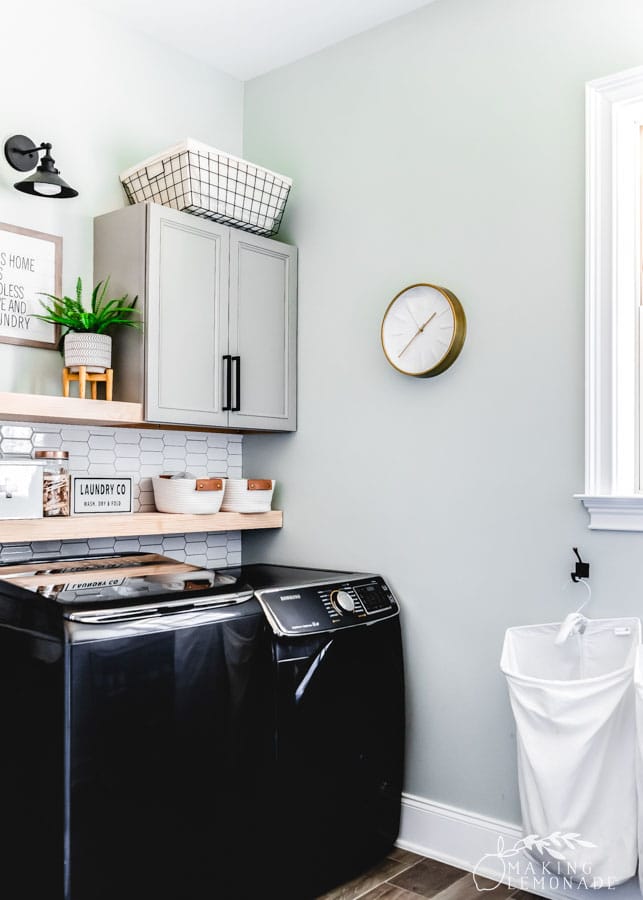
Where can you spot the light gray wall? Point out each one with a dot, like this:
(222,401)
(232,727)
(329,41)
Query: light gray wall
(106,97)
(447,146)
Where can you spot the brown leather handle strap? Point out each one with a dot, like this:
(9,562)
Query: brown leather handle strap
(259,484)
(209,484)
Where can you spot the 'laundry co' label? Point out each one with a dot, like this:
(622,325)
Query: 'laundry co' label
(101,495)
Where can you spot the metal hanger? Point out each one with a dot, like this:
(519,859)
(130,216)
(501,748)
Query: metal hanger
(575,622)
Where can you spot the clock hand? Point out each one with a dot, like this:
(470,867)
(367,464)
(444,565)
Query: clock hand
(427,321)
(419,331)
(409,343)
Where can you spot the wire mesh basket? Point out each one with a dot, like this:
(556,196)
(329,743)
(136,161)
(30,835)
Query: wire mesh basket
(211,184)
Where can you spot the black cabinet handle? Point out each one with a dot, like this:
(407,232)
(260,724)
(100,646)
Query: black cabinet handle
(227,359)
(237,361)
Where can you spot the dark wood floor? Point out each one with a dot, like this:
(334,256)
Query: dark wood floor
(407,876)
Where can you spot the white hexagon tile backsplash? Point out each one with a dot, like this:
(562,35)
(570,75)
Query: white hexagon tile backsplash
(141,454)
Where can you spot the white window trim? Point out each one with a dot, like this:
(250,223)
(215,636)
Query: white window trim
(614,107)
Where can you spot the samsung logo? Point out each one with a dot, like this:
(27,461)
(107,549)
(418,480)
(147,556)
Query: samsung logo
(290,597)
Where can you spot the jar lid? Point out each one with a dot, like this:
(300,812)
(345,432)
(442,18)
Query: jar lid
(51,454)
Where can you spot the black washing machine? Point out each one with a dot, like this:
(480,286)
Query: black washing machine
(137,745)
(339,724)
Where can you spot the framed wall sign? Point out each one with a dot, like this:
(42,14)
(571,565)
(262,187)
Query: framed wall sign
(101,495)
(30,264)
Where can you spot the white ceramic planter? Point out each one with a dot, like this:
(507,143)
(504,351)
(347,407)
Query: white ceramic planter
(87,349)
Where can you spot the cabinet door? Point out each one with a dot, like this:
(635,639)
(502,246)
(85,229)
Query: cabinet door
(187,318)
(263,332)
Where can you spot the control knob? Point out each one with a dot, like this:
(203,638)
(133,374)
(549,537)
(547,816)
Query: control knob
(343,602)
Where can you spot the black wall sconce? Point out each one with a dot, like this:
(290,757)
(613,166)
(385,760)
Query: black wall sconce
(22,154)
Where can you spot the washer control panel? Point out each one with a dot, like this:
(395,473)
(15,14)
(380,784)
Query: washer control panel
(310,609)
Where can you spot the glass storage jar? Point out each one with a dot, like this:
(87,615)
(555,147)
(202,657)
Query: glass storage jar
(55,481)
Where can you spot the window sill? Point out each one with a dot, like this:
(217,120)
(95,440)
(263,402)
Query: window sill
(609,513)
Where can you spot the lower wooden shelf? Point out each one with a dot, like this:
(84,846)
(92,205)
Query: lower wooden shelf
(129,525)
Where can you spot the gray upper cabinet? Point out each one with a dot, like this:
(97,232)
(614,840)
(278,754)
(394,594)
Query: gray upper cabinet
(220,307)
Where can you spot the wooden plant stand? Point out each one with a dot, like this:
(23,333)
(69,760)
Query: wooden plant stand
(82,376)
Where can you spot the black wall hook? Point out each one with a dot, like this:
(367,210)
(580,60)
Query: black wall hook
(582,568)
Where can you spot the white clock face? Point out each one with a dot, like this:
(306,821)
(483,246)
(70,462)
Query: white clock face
(418,329)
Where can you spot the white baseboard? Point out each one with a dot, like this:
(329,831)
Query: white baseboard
(464,839)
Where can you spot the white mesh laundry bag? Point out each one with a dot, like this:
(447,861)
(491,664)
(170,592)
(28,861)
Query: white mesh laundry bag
(638,688)
(575,728)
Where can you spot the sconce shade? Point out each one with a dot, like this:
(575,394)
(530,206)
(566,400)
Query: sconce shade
(45,184)
(22,154)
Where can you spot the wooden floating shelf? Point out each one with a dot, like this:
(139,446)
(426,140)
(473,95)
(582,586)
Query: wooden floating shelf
(131,525)
(73,411)
(42,408)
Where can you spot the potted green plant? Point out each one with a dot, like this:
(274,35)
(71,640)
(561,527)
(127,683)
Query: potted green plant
(84,339)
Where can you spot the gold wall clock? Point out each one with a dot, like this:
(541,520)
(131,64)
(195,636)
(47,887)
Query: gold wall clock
(423,330)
